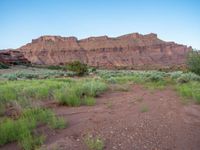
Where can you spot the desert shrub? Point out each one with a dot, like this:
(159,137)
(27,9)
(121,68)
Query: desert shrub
(193,62)
(36,73)
(21,130)
(55,67)
(134,76)
(128,75)
(175,75)
(92,69)
(112,80)
(3,66)
(187,77)
(27,75)
(9,76)
(77,67)
(155,77)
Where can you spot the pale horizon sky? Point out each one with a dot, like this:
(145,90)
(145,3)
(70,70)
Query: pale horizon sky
(173,20)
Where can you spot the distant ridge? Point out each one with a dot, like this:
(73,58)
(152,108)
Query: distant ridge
(126,51)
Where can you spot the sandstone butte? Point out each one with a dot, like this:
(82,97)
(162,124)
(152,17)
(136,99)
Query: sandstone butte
(128,51)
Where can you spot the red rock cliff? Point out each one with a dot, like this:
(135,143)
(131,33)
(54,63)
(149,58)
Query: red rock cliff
(12,57)
(132,50)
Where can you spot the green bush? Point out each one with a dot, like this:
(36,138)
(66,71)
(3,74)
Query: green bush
(77,67)
(193,62)
(3,66)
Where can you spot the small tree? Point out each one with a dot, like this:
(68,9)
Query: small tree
(77,67)
(193,62)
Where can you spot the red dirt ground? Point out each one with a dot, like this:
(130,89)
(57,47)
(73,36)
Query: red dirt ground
(119,119)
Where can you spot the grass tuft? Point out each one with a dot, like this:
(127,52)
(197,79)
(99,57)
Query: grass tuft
(94,143)
(89,101)
(144,108)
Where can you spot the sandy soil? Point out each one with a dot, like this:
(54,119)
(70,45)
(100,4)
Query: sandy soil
(138,119)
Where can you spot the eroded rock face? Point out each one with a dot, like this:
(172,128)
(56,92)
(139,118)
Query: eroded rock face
(12,57)
(127,51)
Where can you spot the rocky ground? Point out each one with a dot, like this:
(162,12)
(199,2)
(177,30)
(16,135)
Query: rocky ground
(137,119)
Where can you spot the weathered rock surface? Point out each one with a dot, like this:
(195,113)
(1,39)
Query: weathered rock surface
(128,51)
(13,57)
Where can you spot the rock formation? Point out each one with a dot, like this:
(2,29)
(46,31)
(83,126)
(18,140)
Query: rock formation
(127,51)
(12,57)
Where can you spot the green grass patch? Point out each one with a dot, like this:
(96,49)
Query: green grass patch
(67,96)
(21,130)
(156,85)
(79,93)
(190,90)
(28,90)
(65,91)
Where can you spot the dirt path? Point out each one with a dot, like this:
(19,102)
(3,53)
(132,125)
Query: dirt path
(135,120)
(138,119)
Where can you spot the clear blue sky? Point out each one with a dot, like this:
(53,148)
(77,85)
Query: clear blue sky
(173,20)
